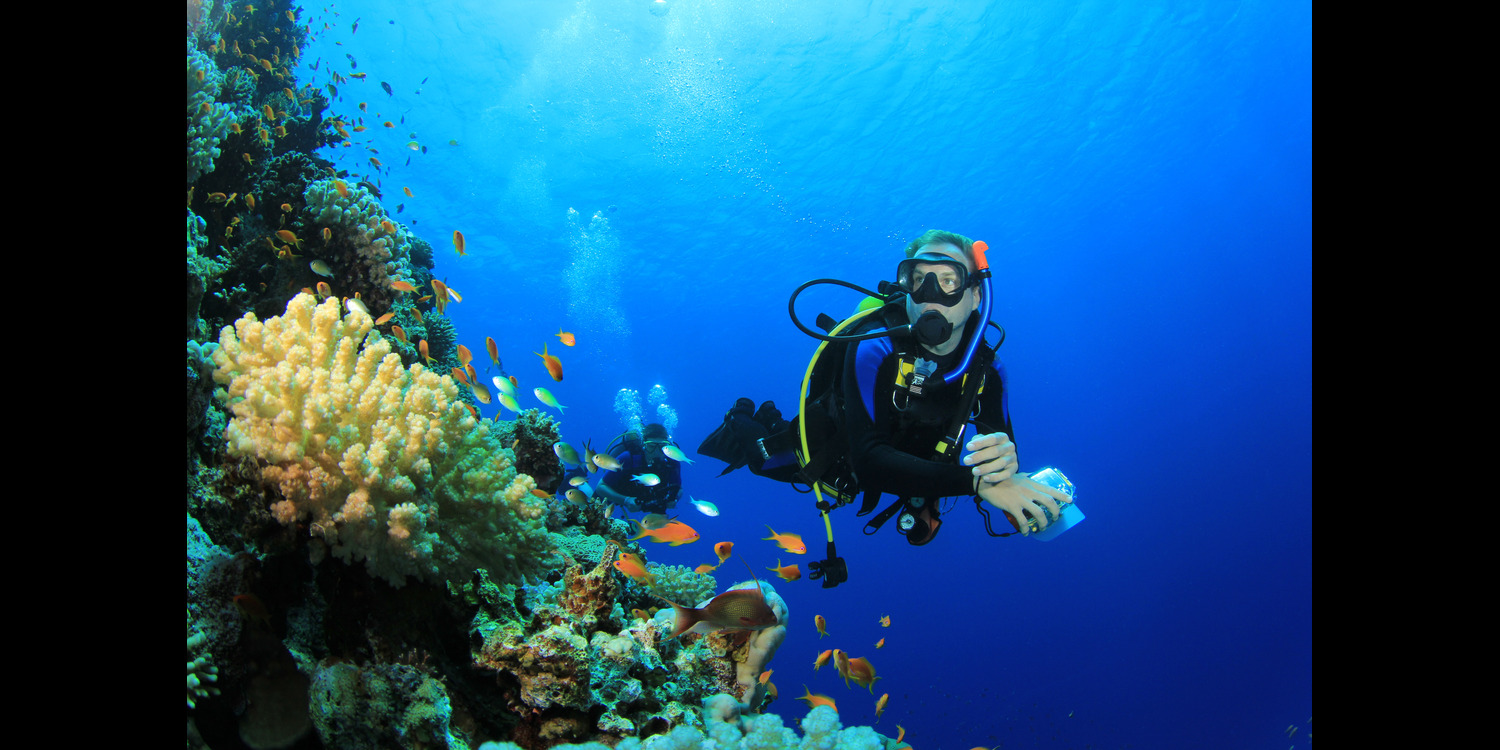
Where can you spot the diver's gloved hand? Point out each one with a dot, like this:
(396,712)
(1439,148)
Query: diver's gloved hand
(1023,499)
(993,457)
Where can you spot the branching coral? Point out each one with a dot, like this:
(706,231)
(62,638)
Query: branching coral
(382,462)
(207,121)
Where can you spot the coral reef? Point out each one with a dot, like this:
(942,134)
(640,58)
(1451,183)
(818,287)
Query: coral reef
(207,120)
(381,461)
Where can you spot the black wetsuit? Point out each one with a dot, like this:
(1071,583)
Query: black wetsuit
(900,465)
(654,499)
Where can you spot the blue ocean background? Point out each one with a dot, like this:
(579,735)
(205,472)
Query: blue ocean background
(657,184)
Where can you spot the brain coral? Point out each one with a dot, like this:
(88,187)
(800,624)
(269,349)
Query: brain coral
(382,462)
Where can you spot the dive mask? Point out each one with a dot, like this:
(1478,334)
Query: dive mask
(936,280)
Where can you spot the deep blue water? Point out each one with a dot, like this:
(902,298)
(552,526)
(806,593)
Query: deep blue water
(1143,174)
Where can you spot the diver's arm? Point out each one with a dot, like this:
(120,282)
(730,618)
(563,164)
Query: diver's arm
(868,371)
(610,495)
(992,449)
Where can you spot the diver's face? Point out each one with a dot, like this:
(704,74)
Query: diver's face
(957,314)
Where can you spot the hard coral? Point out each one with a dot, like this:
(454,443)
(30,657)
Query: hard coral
(382,462)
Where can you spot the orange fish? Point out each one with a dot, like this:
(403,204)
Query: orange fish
(473,376)
(422,347)
(822,659)
(286,208)
(705,568)
(787,572)
(640,613)
(324,290)
(899,734)
(458,375)
(472,410)
(458,241)
(841,662)
(250,201)
(677,533)
(388,124)
(565,337)
(885,622)
(634,567)
(543,494)
(360,128)
(862,672)
(554,367)
(386,318)
(813,700)
(464,357)
(735,609)
(408,192)
(822,626)
(764,676)
(289,237)
(375,162)
(489,345)
(790,542)
(416,314)
(327,233)
(440,296)
(723,549)
(252,608)
(342,187)
(400,333)
(880,705)
(880,643)
(403,286)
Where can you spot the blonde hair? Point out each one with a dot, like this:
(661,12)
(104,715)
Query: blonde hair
(938,236)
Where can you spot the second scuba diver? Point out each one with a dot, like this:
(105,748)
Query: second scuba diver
(648,480)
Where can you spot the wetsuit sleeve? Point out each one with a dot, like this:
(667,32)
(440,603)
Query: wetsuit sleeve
(869,377)
(994,406)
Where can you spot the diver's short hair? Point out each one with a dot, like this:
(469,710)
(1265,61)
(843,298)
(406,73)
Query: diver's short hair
(655,431)
(932,236)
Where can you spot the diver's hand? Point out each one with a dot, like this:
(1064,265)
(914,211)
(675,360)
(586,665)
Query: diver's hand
(1023,498)
(993,457)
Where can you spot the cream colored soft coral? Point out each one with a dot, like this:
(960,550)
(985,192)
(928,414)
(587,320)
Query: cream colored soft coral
(383,462)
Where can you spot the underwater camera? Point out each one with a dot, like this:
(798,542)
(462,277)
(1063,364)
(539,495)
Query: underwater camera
(1071,515)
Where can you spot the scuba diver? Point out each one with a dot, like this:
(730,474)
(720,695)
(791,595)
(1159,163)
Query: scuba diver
(887,400)
(648,480)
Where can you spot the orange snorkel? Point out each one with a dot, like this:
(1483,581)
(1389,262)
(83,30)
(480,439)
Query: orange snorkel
(981,271)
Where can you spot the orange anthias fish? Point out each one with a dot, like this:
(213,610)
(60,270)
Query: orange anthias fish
(489,344)
(634,567)
(403,286)
(880,643)
(885,622)
(440,295)
(862,672)
(735,609)
(813,700)
(822,659)
(464,357)
(458,242)
(841,663)
(722,549)
(822,626)
(422,347)
(705,568)
(790,542)
(764,676)
(554,366)
(252,608)
(787,572)
(565,337)
(880,705)
(400,333)
(676,533)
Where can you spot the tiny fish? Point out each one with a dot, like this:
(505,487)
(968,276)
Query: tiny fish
(675,453)
(387,87)
(650,480)
(320,268)
(545,396)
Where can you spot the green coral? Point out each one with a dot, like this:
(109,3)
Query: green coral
(207,120)
(680,584)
